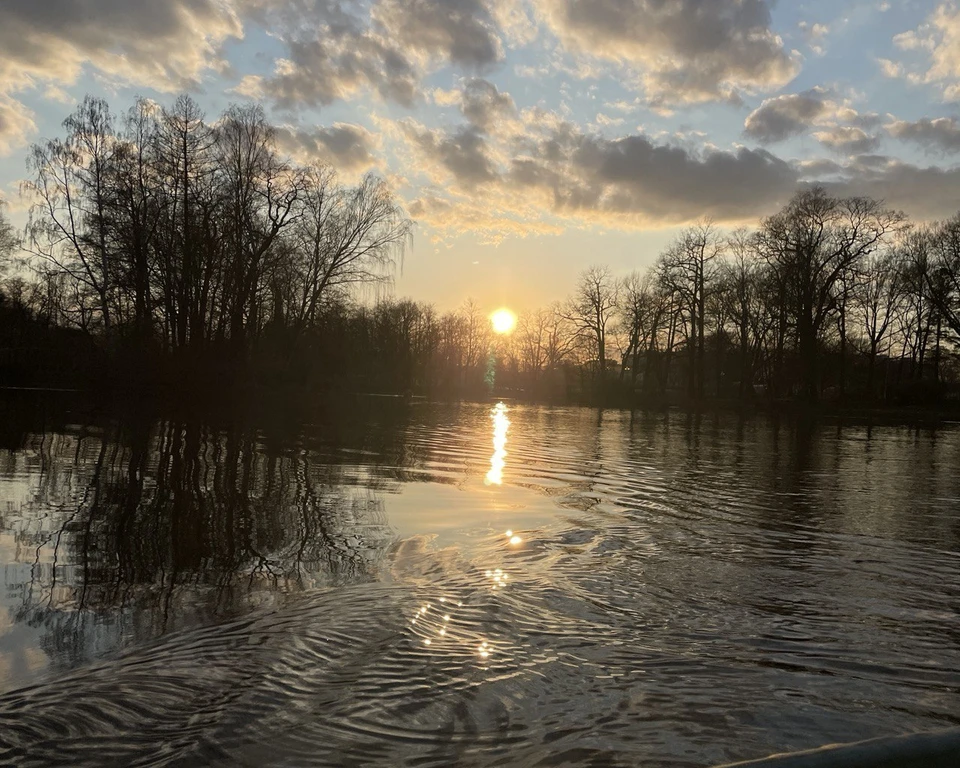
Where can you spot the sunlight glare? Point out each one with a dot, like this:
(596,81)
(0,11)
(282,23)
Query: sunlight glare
(499,459)
(503,320)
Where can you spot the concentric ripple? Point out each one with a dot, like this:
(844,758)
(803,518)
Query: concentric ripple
(634,590)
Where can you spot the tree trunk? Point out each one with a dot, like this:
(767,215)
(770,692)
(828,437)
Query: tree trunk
(807,342)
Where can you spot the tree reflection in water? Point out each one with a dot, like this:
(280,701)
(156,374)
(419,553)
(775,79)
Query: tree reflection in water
(130,531)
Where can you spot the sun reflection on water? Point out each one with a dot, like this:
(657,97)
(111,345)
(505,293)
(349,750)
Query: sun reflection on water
(443,628)
(436,629)
(499,459)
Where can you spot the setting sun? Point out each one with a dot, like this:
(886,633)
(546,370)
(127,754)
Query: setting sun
(503,320)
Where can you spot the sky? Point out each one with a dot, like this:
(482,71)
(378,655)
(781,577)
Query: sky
(530,139)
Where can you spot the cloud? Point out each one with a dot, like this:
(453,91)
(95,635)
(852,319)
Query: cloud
(925,193)
(165,44)
(552,173)
(168,45)
(552,168)
(891,69)
(334,50)
(940,134)
(462,155)
(785,116)
(666,184)
(16,125)
(814,31)
(814,34)
(938,39)
(462,32)
(453,215)
(606,121)
(847,138)
(842,128)
(687,50)
(332,66)
(345,146)
(485,106)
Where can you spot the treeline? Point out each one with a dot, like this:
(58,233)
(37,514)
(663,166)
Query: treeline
(830,298)
(168,246)
(185,242)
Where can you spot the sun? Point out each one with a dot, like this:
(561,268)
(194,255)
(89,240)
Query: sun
(503,320)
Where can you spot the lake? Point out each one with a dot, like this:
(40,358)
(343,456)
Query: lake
(481,584)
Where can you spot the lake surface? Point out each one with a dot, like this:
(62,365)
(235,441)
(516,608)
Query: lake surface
(478,584)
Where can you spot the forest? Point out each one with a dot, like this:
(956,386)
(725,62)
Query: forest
(167,250)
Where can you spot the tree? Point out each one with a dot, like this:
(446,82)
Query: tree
(190,246)
(260,194)
(919,313)
(810,243)
(591,309)
(68,223)
(343,238)
(135,214)
(8,239)
(740,286)
(878,293)
(943,279)
(544,340)
(641,312)
(687,268)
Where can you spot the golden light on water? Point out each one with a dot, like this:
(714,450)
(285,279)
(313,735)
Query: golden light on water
(499,459)
(503,321)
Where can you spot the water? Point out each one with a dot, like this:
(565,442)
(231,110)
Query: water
(424,585)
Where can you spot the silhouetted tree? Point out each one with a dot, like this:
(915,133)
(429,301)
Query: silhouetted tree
(812,241)
(8,239)
(877,298)
(686,268)
(591,310)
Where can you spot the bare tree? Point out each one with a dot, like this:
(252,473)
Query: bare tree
(190,250)
(811,242)
(641,312)
(344,238)
(544,340)
(943,280)
(591,310)
(878,293)
(739,287)
(686,268)
(8,239)
(68,223)
(260,194)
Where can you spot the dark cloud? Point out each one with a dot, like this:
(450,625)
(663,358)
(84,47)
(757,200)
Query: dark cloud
(689,50)
(552,172)
(463,153)
(163,44)
(333,66)
(460,31)
(785,116)
(484,105)
(166,44)
(335,49)
(634,175)
(344,146)
(582,174)
(938,135)
(924,193)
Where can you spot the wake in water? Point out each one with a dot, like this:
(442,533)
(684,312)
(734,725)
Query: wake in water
(660,598)
(523,656)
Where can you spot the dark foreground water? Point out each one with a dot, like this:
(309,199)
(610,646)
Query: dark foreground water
(480,585)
